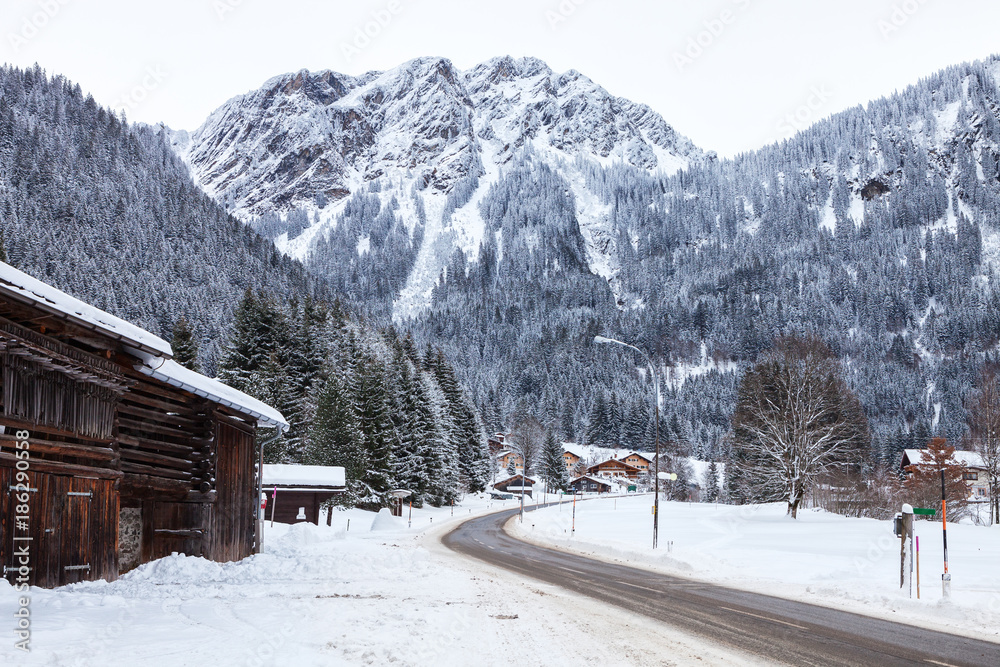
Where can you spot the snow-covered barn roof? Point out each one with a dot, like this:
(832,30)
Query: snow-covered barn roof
(598,480)
(155,353)
(171,372)
(31,291)
(284,475)
(963,458)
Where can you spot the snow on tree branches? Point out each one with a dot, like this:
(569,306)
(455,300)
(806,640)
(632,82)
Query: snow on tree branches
(795,418)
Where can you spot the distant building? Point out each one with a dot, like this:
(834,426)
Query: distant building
(295,493)
(974,472)
(614,468)
(588,484)
(517,484)
(504,459)
(637,460)
(572,460)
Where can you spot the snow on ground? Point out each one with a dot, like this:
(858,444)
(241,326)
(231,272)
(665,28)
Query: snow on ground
(320,595)
(820,558)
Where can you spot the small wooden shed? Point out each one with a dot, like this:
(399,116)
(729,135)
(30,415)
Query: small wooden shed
(111,453)
(296,493)
(516,484)
(587,484)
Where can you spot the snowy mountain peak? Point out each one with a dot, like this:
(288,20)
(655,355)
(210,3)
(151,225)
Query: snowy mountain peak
(308,139)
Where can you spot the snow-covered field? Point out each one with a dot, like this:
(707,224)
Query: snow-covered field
(329,596)
(821,558)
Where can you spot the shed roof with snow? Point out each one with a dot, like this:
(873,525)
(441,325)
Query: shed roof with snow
(286,476)
(962,458)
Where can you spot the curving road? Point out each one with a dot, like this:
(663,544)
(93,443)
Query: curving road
(773,628)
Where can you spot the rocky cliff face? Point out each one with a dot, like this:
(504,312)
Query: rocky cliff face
(311,139)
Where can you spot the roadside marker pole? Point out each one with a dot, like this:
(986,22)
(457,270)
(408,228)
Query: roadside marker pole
(274,504)
(409,519)
(945,578)
(574,514)
(918,568)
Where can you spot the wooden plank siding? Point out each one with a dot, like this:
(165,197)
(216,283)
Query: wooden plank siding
(234,514)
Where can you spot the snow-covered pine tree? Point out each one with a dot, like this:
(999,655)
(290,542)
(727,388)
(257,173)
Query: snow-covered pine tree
(552,466)
(371,407)
(184,345)
(467,434)
(711,483)
(414,426)
(335,440)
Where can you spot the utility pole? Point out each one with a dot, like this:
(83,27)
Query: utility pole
(656,413)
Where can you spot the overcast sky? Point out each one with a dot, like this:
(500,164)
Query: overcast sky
(726,73)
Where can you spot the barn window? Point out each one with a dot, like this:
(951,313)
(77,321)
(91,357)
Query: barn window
(51,384)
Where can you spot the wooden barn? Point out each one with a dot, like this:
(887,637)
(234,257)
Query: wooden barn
(587,484)
(296,493)
(111,453)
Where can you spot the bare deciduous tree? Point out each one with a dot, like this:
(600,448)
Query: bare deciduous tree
(984,436)
(526,441)
(795,418)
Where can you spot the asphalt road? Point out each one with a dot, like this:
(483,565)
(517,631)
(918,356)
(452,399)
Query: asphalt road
(778,630)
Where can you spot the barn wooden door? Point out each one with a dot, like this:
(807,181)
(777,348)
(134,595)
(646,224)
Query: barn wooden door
(70,540)
(71,508)
(234,513)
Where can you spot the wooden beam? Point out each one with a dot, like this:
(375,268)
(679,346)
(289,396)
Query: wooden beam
(158,445)
(157,459)
(15,423)
(57,468)
(65,448)
(162,416)
(156,472)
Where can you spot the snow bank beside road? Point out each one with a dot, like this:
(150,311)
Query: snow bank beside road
(821,558)
(322,596)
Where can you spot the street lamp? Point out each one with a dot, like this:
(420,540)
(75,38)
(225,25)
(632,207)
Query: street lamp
(656,410)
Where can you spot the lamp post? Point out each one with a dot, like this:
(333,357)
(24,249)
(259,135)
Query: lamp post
(656,412)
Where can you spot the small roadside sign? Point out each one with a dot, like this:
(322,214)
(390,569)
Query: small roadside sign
(924,511)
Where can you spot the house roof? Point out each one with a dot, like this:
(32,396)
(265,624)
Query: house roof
(603,482)
(617,461)
(648,458)
(282,475)
(516,478)
(963,458)
(33,292)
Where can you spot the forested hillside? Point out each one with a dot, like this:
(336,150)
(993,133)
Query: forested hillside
(105,211)
(876,230)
